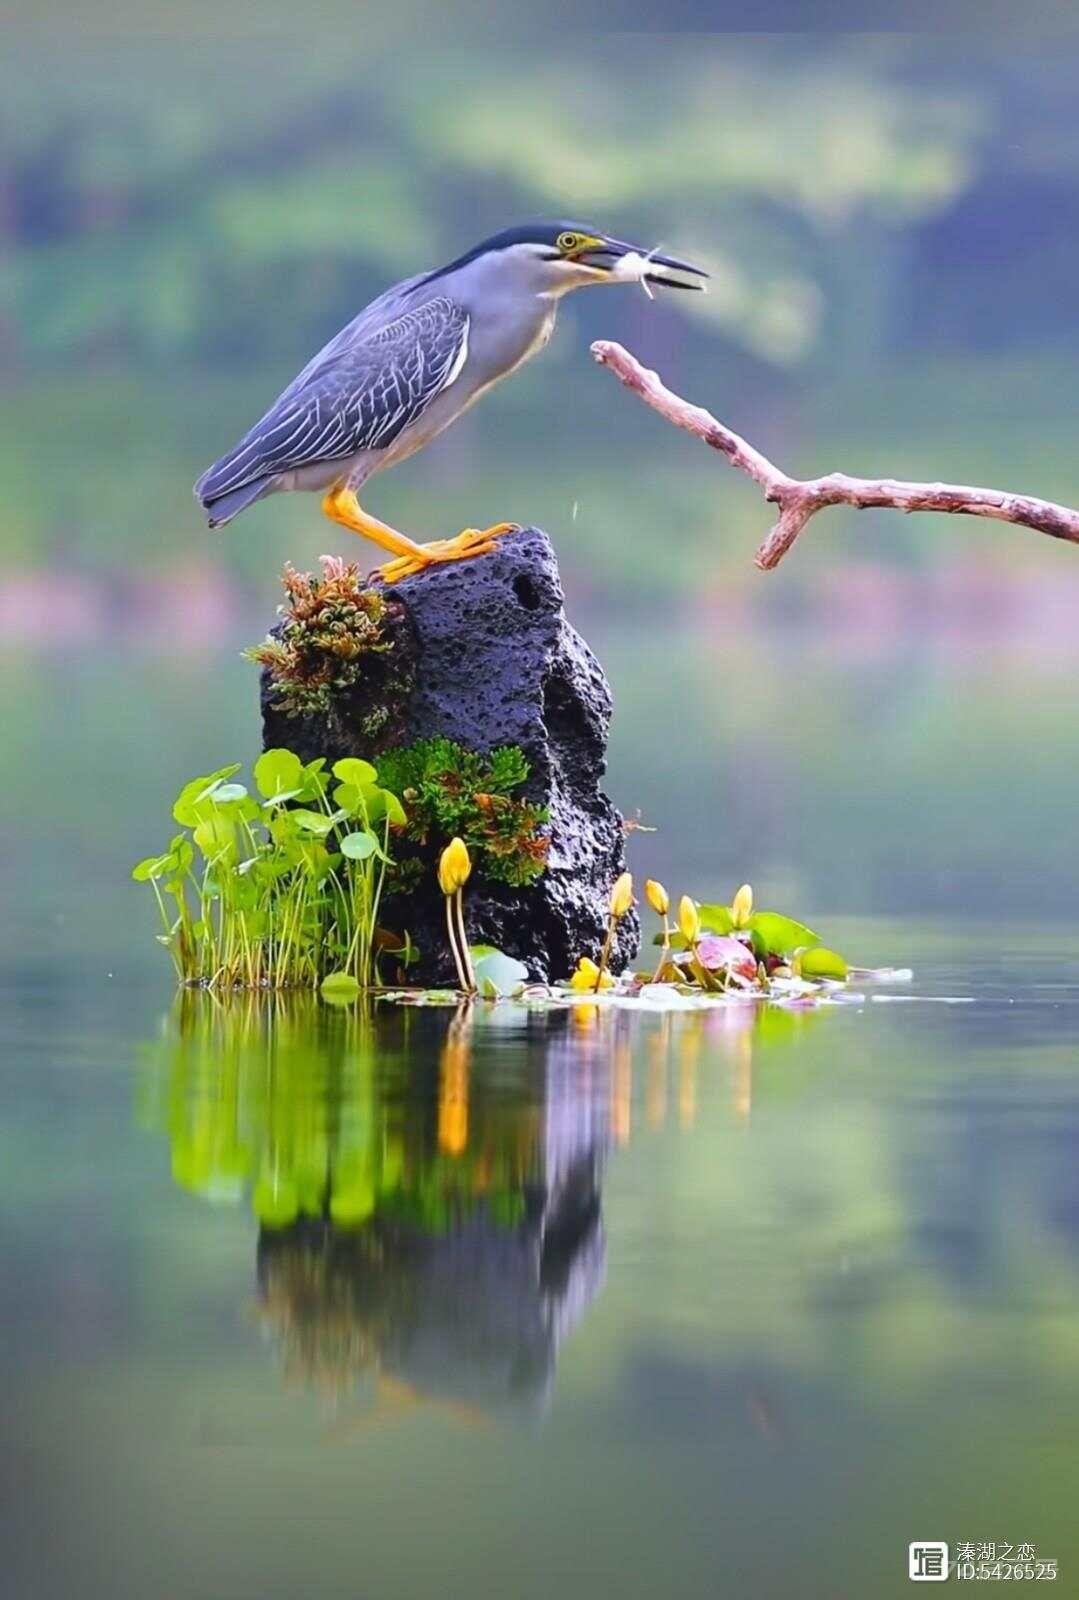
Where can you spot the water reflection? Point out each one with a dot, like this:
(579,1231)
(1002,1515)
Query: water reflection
(427,1184)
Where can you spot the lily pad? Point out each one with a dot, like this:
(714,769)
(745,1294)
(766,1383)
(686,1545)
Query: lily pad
(497,974)
(339,988)
(782,935)
(820,962)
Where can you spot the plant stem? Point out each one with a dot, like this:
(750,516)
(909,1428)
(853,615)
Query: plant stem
(664,951)
(470,971)
(605,954)
(451,932)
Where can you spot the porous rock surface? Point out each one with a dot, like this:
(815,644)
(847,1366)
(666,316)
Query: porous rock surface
(498,663)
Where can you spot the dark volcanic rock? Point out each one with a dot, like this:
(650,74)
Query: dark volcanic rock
(497,663)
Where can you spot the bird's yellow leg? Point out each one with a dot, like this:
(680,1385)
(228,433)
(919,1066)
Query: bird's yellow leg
(342,506)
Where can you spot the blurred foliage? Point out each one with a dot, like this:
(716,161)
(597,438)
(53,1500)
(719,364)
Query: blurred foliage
(183,222)
(173,208)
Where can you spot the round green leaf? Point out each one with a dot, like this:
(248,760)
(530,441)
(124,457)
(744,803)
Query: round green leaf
(316,822)
(151,867)
(358,846)
(276,771)
(393,809)
(352,770)
(215,835)
(186,810)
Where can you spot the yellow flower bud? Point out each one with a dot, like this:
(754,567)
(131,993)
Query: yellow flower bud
(657,897)
(584,979)
(689,919)
(454,867)
(742,907)
(622,895)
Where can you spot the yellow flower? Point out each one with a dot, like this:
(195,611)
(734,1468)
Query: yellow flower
(454,867)
(689,919)
(584,979)
(622,895)
(742,907)
(657,897)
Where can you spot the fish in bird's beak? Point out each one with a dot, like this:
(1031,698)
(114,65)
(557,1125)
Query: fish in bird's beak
(629,263)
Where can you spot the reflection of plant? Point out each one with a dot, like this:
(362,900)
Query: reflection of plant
(279,890)
(332,626)
(327,1134)
(450,791)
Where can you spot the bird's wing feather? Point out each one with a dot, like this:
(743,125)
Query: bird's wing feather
(357,396)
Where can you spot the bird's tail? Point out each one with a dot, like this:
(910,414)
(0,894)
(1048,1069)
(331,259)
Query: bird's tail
(222,508)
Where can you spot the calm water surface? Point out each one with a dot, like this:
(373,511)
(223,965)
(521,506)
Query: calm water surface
(302,1303)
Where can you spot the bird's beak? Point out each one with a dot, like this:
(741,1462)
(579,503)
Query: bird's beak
(651,265)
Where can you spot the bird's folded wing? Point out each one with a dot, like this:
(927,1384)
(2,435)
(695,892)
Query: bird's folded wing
(360,397)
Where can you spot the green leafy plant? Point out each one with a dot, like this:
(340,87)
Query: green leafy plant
(719,947)
(450,792)
(278,888)
(334,629)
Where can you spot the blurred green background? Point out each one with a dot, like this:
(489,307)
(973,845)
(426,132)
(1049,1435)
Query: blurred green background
(884,724)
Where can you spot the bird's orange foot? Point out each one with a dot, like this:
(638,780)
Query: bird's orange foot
(471,542)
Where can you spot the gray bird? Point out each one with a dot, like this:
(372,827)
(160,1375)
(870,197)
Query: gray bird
(412,363)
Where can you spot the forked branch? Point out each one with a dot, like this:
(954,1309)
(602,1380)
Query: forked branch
(799,499)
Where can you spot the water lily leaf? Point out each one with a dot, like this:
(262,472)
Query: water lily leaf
(339,988)
(781,935)
(820,962)
(716,919)
(497,974)
(359,845)
(352,770)
(277,770)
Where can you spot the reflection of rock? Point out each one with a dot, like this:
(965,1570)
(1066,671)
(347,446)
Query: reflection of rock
(473,1317)
(464,1280)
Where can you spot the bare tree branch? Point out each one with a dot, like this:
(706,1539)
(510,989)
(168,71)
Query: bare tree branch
(800,499)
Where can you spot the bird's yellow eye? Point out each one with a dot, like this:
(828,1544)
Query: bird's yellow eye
(569,242)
